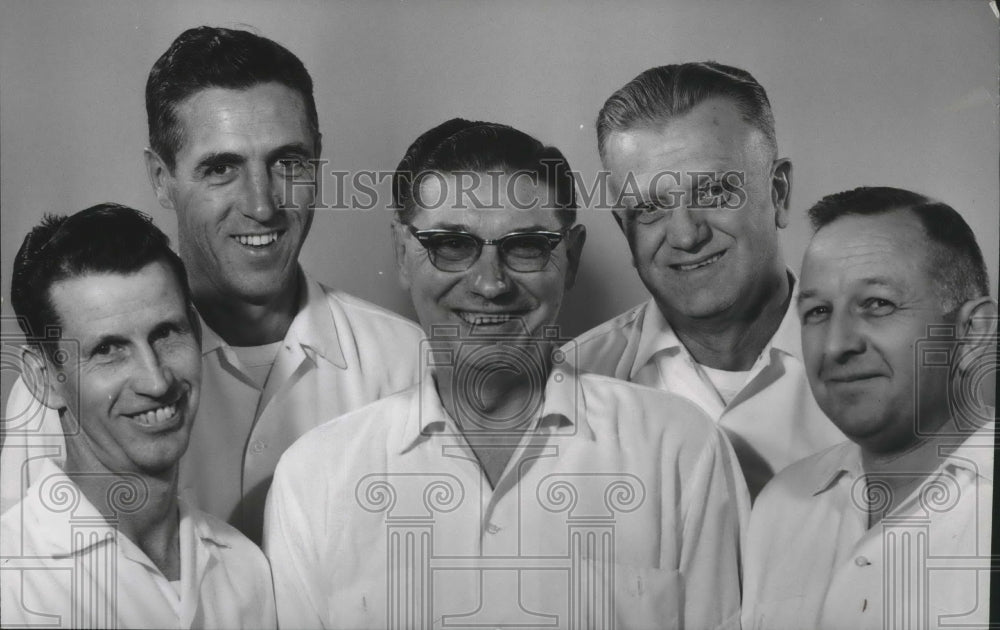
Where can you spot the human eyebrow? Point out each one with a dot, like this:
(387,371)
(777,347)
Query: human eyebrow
(296,149)
(178,324)
(879,281)
(450,227)
(224,158)
(532,228)
(808,294)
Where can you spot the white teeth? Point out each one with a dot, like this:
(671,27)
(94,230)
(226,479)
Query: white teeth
(257,240)
(482,319)
(156,416)
(707,261)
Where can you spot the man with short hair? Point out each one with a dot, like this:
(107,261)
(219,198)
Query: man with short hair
(101,540)
(700,196)
(504,489)
(234,140)
(891,528)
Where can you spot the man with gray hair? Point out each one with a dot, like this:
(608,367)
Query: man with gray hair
(701,194)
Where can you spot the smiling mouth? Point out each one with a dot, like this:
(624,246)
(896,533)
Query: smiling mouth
(486,319)
(701,263)
(257,240)
(159,417)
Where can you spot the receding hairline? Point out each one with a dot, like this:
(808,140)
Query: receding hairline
(932,254)
(658,124)
(183,108)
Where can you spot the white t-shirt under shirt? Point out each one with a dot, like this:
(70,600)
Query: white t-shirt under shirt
(257,360)
(727,383)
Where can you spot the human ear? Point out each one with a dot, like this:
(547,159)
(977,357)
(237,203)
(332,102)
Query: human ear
(976,336)
(43,379)
(160,178)
(781,190)
(575,238)
(399,249)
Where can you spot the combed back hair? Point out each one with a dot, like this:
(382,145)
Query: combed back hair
(210,57)
(106,238)
(664,92)
(954,260)
(460,145)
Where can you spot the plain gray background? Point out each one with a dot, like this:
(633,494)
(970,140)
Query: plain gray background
(878,93)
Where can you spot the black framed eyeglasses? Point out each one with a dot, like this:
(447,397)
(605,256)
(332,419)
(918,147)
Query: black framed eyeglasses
(457,251)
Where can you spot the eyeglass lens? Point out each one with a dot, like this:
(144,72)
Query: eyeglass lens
(458,252)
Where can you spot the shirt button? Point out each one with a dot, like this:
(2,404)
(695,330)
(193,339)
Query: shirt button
(492,529)
(862,561)
(257,447)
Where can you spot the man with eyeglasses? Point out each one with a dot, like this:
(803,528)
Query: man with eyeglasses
(702,194)
(504,489)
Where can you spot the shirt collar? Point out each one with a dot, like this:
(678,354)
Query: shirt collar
(60,506)
(788,337)
(656,333)
(839,461)
(196,521)
(312,328)
(210,340)
(563,409)
(974,454)
(57,505)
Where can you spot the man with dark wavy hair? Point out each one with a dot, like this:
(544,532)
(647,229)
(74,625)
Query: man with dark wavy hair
(233,144)
(101,539)
(504,489)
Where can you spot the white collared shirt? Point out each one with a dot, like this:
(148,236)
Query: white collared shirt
(618,505)
(812,562)
(65,566)
(771,423)
(339,354)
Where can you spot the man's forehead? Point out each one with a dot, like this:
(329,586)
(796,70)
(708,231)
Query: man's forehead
(712,131)
(883,249)
(496,191)
(83,300)
(487,222)
(240,115)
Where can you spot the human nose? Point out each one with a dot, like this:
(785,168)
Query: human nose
(260,201)
(687,230)
(489,274)
(152,377)
(843,339)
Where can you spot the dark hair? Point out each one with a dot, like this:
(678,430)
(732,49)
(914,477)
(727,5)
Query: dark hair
(106,238)
(480,147)
(661,93)
(206,57)
(955,260)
